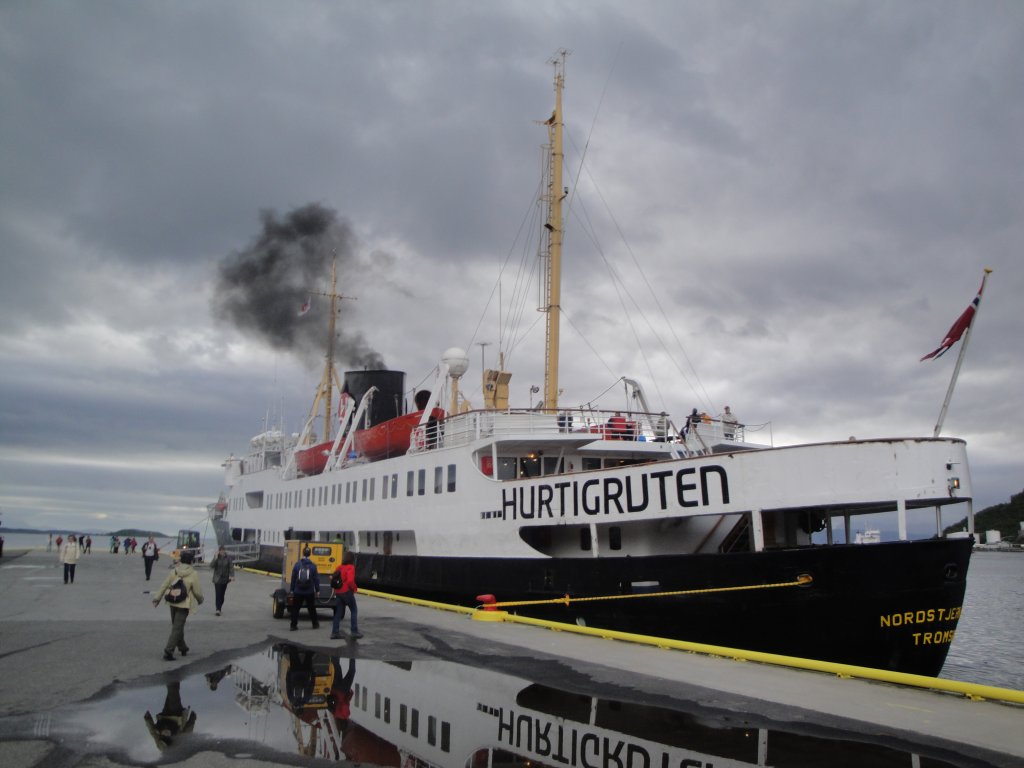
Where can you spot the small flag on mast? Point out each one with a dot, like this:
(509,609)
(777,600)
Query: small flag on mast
(305,306)
(958,328)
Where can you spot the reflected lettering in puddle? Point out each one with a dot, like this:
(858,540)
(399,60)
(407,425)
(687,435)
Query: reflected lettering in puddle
(294,700)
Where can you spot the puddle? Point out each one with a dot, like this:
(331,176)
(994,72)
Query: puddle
(291,701)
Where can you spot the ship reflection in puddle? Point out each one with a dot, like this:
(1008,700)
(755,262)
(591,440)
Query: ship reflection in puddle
(432,713)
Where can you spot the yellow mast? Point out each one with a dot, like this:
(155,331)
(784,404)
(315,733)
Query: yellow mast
(329,380)
(555,194)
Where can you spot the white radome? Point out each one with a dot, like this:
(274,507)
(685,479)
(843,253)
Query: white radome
(457,361)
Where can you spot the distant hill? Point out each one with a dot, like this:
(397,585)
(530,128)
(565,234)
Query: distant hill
(136,532)
(1005,518)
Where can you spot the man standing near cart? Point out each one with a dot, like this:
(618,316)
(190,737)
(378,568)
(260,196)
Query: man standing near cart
(305,586)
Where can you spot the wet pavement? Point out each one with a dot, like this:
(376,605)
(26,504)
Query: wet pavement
(82,683)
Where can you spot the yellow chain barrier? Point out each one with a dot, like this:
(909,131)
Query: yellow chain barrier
(800,581)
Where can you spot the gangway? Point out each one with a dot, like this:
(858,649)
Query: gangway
(244,552)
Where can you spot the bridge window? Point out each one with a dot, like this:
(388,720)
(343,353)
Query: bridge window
(438,479)
(421,488)
(409,483)
(451,478)
(506,467)
(615,537)
(529,466)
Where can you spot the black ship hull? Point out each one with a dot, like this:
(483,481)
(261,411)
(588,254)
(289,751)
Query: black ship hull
(891,606)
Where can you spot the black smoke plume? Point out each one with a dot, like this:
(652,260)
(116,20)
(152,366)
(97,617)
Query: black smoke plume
(261,289)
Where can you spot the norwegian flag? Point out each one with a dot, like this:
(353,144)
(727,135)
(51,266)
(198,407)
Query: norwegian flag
(305,306)
(957,330)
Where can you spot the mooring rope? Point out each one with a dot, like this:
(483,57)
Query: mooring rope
(800,581)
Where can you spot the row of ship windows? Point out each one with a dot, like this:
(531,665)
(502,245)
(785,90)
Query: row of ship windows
(365,538)
(365,489)
(408,719)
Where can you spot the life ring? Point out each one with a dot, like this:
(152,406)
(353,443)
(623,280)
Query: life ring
(343,401)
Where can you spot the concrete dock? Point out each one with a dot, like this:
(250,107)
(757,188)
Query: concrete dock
(62,644)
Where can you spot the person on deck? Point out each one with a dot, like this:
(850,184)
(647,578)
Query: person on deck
(617,427)
(729,424)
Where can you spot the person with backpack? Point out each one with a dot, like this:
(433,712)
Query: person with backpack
(343,582)
(223,571)
(305,586)
(182,592)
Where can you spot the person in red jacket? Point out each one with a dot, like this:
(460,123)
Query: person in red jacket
(345,596)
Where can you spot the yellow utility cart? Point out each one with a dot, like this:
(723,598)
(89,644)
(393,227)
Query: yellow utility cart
(326,556)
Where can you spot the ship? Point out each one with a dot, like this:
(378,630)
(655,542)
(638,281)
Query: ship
(627,520)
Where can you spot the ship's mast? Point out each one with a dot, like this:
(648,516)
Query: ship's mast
(553,197)
(329,380)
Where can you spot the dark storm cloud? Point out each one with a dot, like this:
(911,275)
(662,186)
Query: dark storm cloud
(262,288)
(813,187)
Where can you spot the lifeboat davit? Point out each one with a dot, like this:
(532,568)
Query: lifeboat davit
(391,437)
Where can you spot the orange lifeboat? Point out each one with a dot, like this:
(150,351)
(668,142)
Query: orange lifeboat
(312,460)
(391,437)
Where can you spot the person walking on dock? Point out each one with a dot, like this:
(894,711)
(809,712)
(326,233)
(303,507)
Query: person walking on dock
(150,552)
(69,554)
(223,572)
(343,580)
(305,586)
(183,594)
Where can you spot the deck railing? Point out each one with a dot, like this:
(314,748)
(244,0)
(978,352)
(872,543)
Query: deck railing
(578,424)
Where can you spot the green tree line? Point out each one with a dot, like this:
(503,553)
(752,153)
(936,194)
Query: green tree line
(1005,518)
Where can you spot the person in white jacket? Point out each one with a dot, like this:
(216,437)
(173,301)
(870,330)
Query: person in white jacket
(69,554)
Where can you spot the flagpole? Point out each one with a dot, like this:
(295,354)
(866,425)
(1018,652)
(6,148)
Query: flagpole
(960,357)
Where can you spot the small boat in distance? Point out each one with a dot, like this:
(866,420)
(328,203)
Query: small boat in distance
(624,520)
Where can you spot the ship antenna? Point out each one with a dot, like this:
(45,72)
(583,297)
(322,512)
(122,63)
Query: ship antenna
(553,231)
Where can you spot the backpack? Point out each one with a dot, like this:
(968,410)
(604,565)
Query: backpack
(303,580)
(336,579)
(177,592)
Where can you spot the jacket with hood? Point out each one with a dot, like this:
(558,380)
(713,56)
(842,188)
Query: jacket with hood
(187,574)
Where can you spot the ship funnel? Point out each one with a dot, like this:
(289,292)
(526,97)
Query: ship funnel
(387,402)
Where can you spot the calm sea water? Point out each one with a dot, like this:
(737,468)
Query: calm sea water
(987,647)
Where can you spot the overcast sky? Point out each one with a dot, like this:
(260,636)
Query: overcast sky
(776,206)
